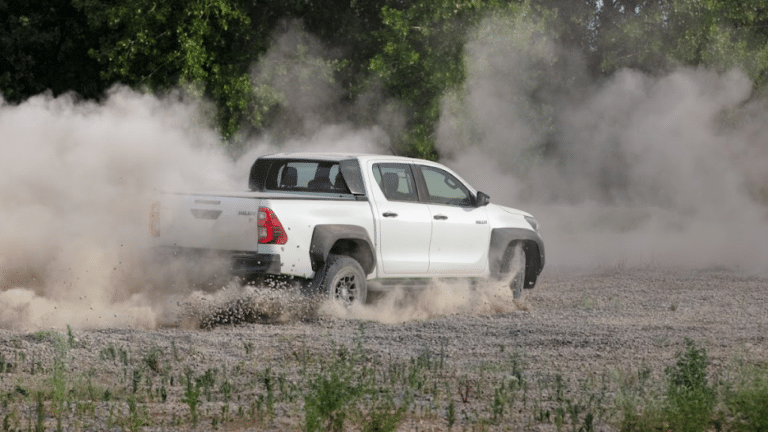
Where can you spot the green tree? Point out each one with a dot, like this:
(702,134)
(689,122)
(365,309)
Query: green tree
(349,27)
(420,57)
(44,46)
(410,52)
(203,46)
(658,36)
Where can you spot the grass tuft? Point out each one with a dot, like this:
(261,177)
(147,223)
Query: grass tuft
(690,397)
(191,395)
(747,402)
(152,359)
(332,390)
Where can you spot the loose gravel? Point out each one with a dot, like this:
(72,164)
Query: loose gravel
(576,325)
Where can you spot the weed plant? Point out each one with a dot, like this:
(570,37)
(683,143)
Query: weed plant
(152,359)
(687,404)
(690,397)
(332,390)
(746,401)
(191,395)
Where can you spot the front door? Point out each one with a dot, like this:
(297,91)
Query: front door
(460,230)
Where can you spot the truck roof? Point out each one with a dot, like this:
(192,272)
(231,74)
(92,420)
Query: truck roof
(313,156)
(337,156)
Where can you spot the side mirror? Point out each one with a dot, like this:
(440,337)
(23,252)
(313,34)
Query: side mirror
(482,199)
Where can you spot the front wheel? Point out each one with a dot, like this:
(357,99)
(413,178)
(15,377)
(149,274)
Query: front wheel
(513,269)
(342,279)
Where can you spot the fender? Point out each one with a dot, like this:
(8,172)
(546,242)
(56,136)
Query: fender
(534,251)
(350,240)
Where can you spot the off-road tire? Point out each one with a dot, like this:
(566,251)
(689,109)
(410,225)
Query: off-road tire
(513,258)
(341,279)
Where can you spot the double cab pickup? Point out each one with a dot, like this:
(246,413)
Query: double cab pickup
(347,223)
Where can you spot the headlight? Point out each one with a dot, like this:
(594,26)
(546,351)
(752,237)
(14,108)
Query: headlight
(534,223)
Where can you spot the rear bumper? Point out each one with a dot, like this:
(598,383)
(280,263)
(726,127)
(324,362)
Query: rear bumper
(250,263)
(241,263)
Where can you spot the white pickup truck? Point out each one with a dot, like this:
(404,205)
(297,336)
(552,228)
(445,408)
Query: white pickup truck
(348,223)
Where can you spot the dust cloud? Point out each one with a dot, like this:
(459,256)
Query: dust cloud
(439,298)
(631,170)
(309,110)
(76,182)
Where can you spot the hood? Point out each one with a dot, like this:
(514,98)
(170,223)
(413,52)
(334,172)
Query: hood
(514,211)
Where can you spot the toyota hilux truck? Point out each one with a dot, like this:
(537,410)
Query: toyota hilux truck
(350,223)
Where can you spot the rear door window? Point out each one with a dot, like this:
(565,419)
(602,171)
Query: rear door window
(396,181)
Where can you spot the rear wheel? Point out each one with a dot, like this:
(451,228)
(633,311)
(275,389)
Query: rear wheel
(342,279)
(513,268)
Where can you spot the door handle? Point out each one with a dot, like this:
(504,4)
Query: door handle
(440,217)
(389,214)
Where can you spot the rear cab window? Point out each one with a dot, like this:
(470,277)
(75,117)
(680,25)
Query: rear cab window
(306,176)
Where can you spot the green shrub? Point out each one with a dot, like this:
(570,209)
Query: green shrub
(747,404)
(326,400)
(152,359)
(331,392)
(689,402)
(382,416)
(71,340)
(636,418)
(191,394)
(690,398)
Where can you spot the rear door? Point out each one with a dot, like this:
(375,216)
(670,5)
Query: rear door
(460,230)
(405,224)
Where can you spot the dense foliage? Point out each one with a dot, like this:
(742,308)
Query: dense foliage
(379,57)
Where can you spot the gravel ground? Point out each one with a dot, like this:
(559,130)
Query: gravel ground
(577,331)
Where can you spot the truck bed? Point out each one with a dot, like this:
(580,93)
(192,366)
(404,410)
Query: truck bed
(227,222)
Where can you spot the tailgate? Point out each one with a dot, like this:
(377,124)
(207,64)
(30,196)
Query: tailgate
(209,222)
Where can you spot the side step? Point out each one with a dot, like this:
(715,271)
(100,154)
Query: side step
(386,285)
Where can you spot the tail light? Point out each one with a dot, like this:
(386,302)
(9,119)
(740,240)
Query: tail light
(270,229)
(154,219)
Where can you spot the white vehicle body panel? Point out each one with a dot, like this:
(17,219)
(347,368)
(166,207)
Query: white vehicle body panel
(229,231)
(459,243)
(296,214)
(403,239)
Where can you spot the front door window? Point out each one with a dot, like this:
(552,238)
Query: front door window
(444,188)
